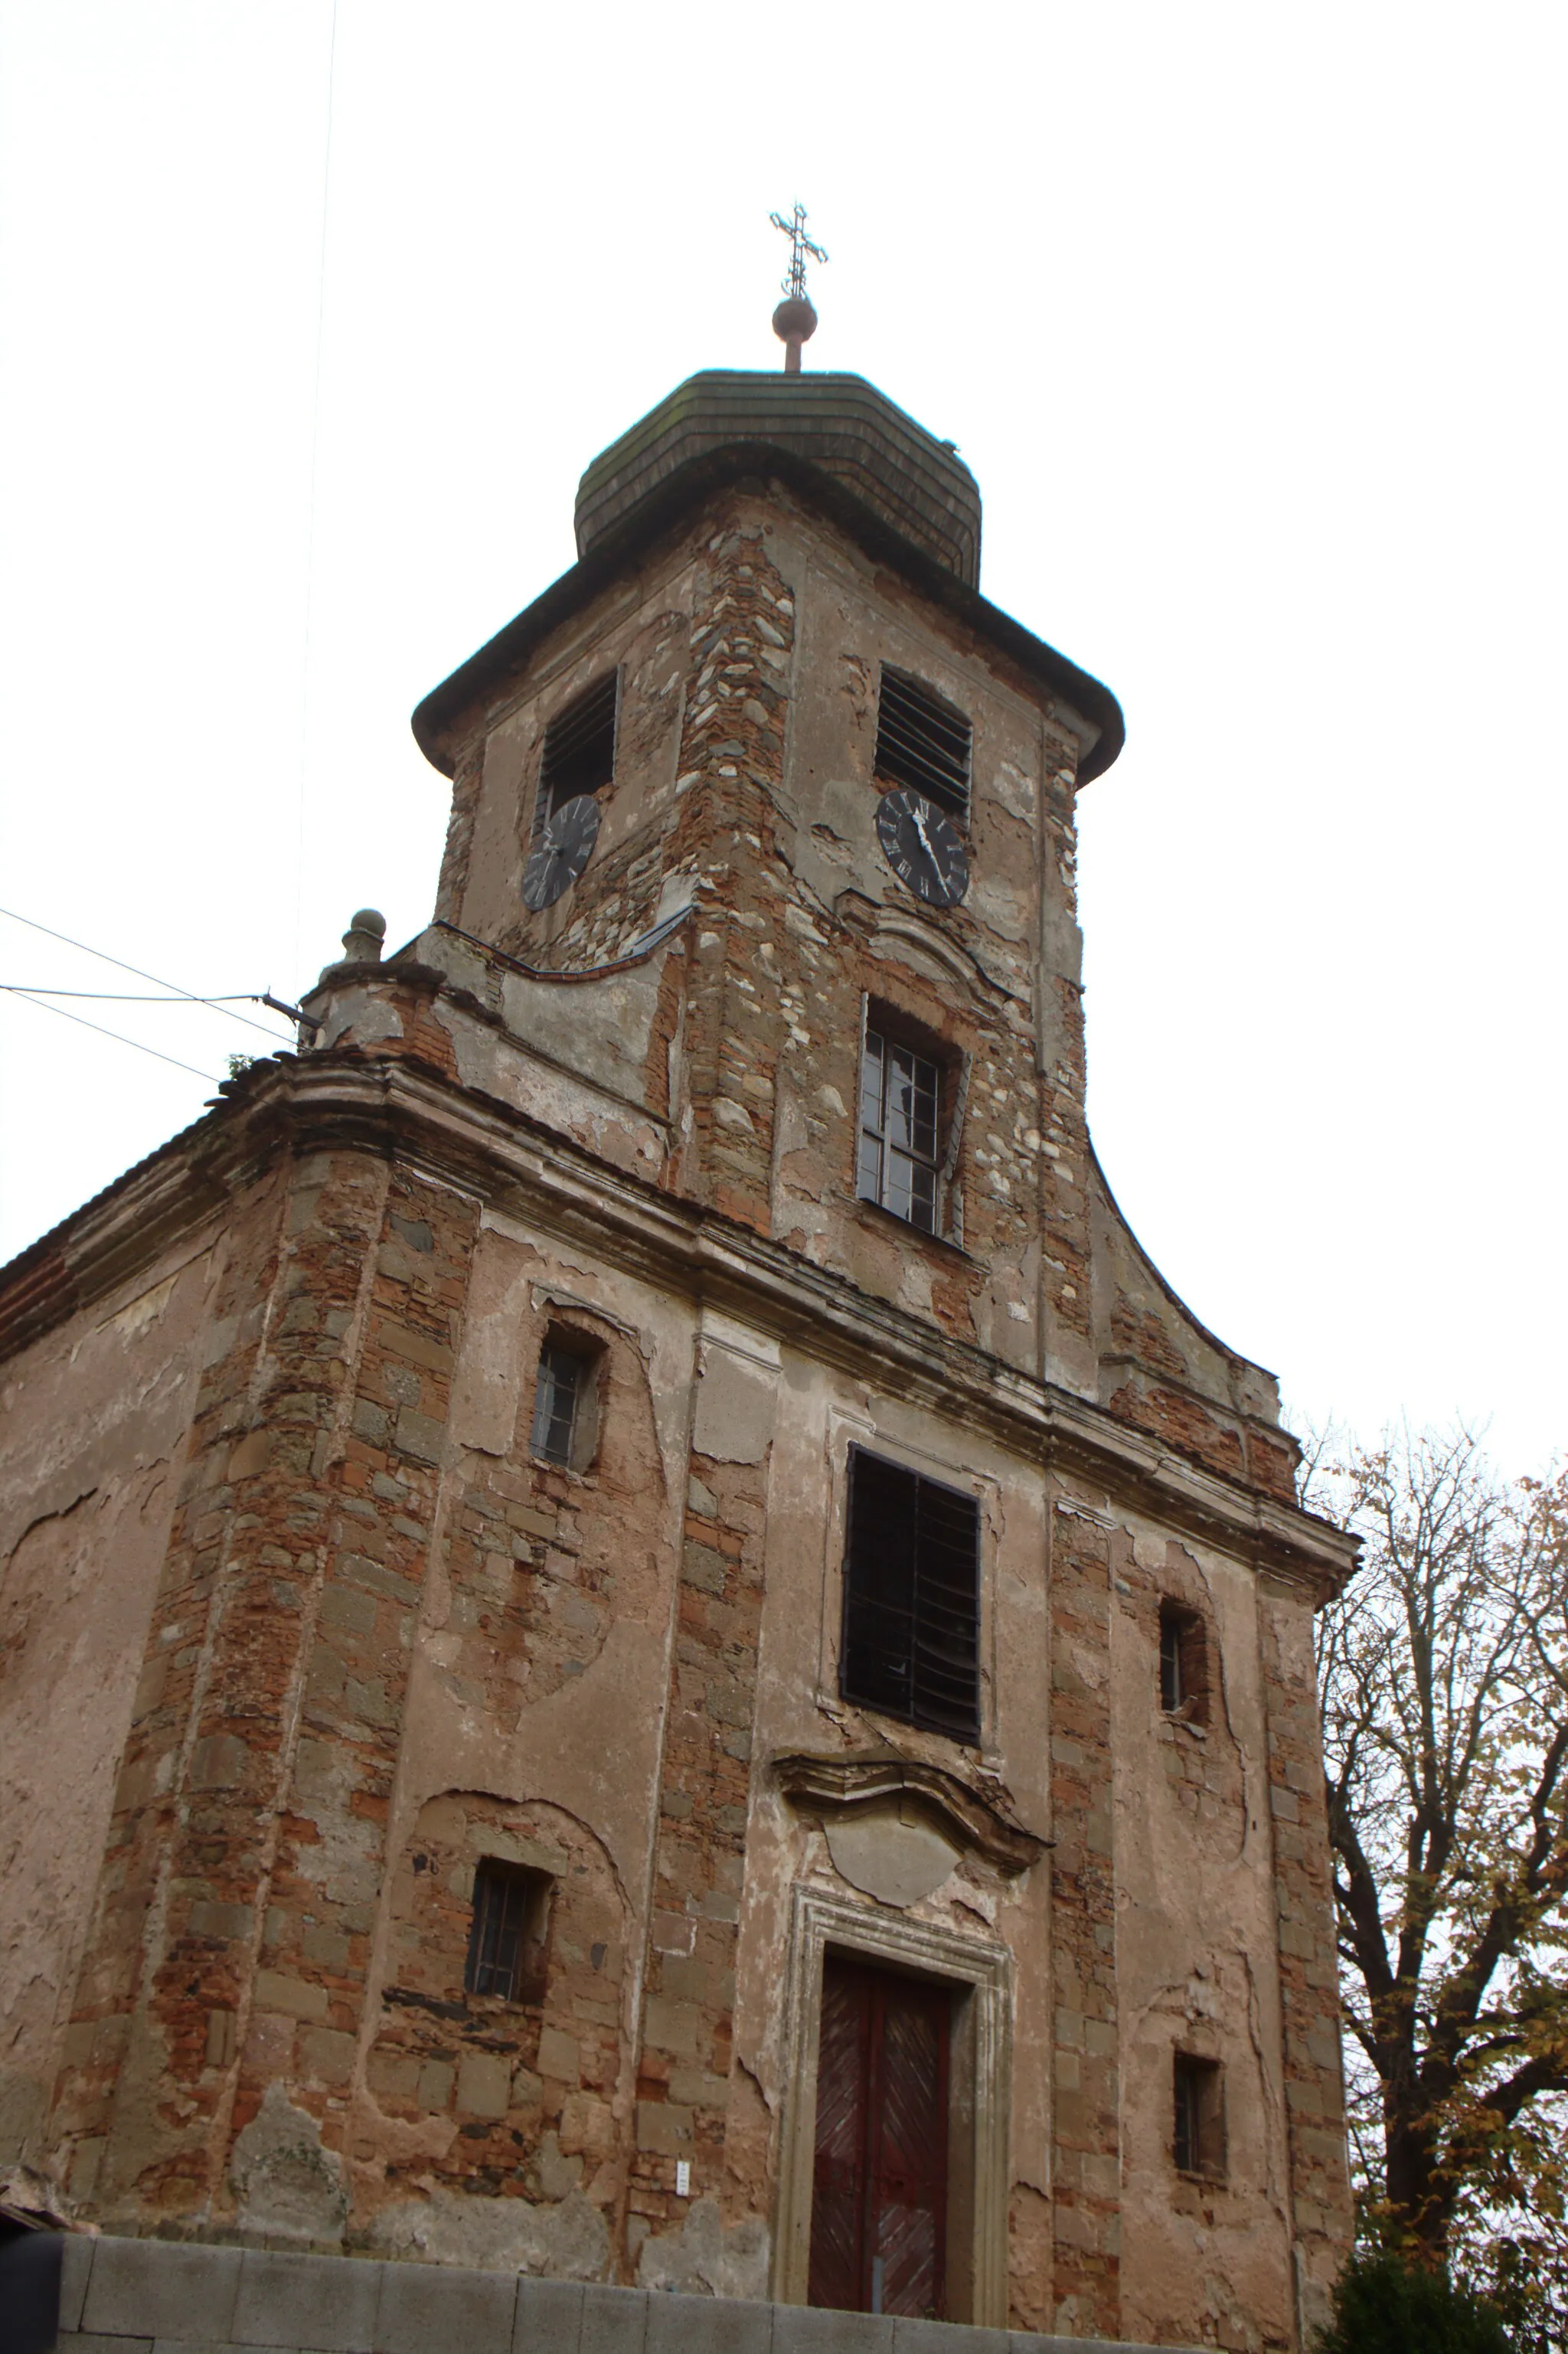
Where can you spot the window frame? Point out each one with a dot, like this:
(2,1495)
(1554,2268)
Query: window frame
(930,1614)
(496,1881)
(567,1346)
(1199,2146)
(880,1145)
(895,1033)
(1183,1665)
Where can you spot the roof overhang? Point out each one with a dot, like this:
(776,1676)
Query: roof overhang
(440,720)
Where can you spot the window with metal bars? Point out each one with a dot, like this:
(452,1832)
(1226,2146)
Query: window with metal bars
(1199,2142)
(922,742)
(579,750)
(566,1419)
(898,1158)
(508,1942)
(911,1622)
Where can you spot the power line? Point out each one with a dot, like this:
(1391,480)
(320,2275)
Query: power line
(116,1035)
(130,997)
(104,958)
(315,468)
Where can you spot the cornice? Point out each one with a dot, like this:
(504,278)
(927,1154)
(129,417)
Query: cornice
(398,1108)
(843,1786)
(445,713)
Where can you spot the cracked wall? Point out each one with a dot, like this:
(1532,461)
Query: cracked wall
(378,1641)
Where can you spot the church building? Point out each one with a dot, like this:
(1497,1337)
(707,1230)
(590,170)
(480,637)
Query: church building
(639,1645)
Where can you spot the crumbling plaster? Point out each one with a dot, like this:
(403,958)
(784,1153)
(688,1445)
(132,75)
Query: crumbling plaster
(1197,1955)
(1000,975)
(425,1648)
(95,1420)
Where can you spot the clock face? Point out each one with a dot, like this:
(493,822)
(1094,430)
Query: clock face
(922,847)
(561,853)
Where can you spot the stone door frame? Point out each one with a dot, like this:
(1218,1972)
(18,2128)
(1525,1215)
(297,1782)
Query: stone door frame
(978,2166)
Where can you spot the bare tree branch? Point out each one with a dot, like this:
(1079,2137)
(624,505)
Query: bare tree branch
(1444,1678)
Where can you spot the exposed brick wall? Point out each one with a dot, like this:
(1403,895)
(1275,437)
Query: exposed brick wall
(1064,1160)
(1309,1968)
(169,1966)
(537,1551)
(530,2083)
(340,1534)
(1199,1752)
(382,1490)
(730,767)
(467,779)
(683,2064)
(1085,2170)
(232,1924)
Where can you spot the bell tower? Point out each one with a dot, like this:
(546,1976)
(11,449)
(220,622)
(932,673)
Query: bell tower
(846,781)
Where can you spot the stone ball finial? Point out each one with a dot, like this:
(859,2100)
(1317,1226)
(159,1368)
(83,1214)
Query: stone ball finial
(362,941)
(794,322)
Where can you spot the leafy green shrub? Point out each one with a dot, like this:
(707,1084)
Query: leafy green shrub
(1383,2306)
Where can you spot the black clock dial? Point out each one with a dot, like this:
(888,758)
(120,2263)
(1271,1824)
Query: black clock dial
(922,847)
(562,851)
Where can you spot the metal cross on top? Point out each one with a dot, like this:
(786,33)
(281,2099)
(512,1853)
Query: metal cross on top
(800,245)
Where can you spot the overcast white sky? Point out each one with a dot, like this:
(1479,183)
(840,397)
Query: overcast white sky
(1248,318)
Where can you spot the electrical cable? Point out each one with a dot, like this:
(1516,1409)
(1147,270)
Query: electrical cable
(118,1035)
(104,958)
(314,475)
(131,996)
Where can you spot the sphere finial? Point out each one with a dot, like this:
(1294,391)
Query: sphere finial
(793,322)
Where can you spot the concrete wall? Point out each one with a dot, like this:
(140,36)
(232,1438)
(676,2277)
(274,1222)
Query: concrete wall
(140,2296)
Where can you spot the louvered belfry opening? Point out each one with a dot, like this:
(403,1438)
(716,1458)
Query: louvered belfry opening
(911,1634)
(879,2196)
(579,748)
(923,742)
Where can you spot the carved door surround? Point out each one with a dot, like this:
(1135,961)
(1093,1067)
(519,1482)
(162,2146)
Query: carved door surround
(979,1974)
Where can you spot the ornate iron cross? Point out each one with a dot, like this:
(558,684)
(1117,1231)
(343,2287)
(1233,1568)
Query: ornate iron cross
(800,245)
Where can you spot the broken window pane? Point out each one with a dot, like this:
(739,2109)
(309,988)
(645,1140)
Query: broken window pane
(900,1096)
(556,1393)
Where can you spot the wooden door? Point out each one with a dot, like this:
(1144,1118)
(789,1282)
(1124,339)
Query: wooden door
(879,2204)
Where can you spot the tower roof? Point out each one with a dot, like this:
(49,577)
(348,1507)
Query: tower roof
(917,486)
(906,497)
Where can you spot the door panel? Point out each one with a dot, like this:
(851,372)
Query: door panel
(879,2203)
(838,2198)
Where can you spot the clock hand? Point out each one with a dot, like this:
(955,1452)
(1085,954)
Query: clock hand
(926,845)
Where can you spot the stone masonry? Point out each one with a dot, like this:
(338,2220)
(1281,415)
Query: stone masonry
(301,1632)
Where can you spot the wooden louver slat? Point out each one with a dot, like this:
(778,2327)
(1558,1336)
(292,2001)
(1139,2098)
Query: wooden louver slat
(911,1637)
(579,746)
(923,743)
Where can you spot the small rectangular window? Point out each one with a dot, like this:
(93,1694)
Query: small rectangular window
(508,1940)
(911,1632)
(922,742)
(579,748)
(557,1396)
(900,1129)
(1183,1664)
(1200,2137)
